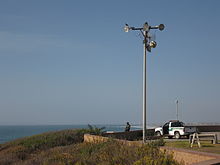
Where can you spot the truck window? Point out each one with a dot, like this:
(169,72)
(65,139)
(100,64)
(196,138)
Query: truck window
(173,124)
(177,124)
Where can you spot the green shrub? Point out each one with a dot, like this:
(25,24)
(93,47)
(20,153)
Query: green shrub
(22,149)
(52,139)
(108,153)
(66,148)
(159,142)
(95,130)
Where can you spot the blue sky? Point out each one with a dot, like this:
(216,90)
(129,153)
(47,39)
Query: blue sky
(69,62)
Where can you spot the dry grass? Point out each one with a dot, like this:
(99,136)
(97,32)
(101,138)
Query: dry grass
(66,148)
(25,148)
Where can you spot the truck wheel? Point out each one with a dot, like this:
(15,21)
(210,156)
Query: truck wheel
(158,133)
(177,135)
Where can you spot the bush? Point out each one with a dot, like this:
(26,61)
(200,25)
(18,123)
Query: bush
(107,153)
(66,148)
(21,149)
(51,139)
(95,130)
(159,142)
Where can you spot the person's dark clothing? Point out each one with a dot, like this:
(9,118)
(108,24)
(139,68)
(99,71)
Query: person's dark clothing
(128,127)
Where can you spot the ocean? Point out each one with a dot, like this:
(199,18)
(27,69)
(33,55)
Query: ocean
(9,133)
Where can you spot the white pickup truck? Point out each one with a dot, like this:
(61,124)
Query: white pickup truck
(174,128)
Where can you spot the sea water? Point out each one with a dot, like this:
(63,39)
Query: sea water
(8,133)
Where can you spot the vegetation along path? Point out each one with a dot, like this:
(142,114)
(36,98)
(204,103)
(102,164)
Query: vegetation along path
(67,147)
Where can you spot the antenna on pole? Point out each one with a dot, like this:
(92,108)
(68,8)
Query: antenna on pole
(177,110)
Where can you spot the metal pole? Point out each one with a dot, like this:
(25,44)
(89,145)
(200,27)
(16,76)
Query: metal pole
(144,86)
(147,46)
(177,109)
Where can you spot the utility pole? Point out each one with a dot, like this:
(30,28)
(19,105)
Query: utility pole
(147,47)
(144,86)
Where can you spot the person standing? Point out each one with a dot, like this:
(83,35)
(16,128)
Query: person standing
(128,127)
